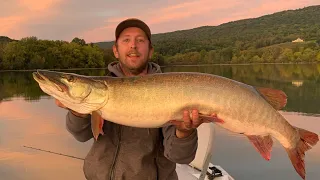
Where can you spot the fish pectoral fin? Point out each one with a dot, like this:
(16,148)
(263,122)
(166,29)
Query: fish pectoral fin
(210,118)
(96,124)
(263,145)
(276,98)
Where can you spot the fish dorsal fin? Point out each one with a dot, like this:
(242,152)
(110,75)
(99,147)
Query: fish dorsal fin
(276,98)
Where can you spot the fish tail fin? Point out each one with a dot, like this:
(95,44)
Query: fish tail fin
(297,154)
(308,136)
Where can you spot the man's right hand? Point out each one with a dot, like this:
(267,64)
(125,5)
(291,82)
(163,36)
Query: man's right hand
(58,103)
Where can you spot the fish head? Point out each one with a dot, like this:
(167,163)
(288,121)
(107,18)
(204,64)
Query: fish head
(79,93)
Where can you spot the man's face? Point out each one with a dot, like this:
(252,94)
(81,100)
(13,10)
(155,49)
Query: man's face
(133,50)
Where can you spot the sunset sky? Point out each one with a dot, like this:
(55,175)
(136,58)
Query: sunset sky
(96,20)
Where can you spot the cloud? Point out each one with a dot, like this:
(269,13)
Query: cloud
(18,14)
(96,20)
(174,14)
(189,9)
(36,5)
(9,23)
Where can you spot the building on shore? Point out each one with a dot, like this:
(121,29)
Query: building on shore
(298,40)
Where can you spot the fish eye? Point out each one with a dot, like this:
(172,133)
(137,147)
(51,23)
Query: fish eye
(70,78)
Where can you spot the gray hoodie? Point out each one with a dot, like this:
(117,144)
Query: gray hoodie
(128,153)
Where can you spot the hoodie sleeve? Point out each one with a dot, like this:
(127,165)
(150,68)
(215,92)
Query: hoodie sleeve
(79,127)
(179,150)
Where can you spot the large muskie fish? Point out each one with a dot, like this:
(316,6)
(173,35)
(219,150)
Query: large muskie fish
(151,101)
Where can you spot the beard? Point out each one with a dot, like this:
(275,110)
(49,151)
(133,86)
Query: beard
(134,70)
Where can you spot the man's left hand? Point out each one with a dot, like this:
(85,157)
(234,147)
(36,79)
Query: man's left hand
(188,125)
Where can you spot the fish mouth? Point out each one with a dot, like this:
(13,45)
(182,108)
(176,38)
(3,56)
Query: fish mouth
(50,78)
(37,76)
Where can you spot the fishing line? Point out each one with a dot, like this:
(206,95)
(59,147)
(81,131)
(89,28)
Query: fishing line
(53,152)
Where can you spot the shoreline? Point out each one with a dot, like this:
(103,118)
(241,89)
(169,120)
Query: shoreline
(173,65)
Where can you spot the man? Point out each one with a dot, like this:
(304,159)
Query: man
(128,153)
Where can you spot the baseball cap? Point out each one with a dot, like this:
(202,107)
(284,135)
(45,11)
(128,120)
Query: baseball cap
(133,22)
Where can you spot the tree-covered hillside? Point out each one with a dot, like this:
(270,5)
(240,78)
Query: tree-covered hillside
(259,32)
(244,41)
(5,39)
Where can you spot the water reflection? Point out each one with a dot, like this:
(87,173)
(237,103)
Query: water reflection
(37,124)
(20,164)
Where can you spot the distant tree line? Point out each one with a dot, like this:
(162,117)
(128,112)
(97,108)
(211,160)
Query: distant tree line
(32,53)
(308,52)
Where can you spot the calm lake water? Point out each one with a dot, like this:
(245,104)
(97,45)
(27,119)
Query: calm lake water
(30,118)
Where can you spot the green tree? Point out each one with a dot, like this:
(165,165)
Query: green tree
(297,56)
(286,56)
(158,58)
(211,57)
(2,46)
(203,54)
(79,41)
(256,59)
(14,56)
(318,56)
(308,55)
(37,62)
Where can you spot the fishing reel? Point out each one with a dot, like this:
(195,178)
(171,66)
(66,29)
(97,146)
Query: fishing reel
(215,172)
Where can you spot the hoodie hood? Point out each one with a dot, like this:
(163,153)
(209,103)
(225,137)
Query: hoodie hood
(115,68)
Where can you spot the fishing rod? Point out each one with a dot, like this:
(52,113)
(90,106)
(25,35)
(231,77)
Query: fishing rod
(53,152)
